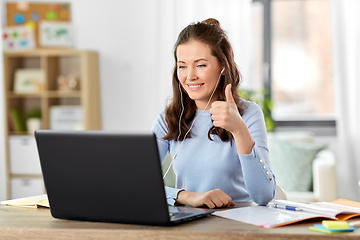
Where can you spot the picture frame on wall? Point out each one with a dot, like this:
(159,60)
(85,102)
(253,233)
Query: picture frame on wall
(56,34)
(33,13)
(18,38)
(28,81)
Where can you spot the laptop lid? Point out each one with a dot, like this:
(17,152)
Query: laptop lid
(103,176)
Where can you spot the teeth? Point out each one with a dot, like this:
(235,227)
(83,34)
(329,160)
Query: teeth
(195,86)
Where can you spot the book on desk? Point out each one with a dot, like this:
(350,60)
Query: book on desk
(30,202)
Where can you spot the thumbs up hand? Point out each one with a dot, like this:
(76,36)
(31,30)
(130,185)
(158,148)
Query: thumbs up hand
(226,114)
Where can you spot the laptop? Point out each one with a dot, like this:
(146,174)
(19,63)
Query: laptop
(106,176)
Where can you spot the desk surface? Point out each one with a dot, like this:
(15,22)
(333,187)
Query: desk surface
(27,223)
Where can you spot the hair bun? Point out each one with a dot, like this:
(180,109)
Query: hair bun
(212,21)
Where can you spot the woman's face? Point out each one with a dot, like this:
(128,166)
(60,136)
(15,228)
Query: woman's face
(198,72)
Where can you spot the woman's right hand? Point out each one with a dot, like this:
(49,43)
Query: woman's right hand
(213,199)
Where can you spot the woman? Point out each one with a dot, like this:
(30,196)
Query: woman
(217,140)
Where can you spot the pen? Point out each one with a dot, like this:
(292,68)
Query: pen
(285,207)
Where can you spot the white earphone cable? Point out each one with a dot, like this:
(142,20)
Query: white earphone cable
(182,105)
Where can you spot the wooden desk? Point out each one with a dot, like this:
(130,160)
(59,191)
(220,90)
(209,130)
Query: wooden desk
(24,223)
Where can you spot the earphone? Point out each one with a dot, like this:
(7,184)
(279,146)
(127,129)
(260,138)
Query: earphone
(222,71)
(182,111)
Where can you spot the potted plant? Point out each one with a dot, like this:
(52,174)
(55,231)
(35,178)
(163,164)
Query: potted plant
(264,101)
(33,120)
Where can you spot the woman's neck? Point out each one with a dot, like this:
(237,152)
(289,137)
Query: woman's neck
(200,105)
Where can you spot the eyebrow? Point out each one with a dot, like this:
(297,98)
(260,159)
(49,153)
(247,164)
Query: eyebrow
(197,60)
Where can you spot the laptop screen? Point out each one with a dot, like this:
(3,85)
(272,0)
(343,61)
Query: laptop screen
(103,176)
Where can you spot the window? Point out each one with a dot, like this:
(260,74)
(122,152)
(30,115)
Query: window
(258,37)
(296,59)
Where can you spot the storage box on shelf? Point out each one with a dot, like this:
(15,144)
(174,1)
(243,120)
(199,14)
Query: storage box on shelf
(56,78)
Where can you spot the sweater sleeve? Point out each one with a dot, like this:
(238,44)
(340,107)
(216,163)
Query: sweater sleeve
(160,129)
(258,177)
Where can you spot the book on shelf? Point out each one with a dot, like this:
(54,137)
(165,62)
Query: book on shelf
(17,120)
(29,202)
(272,217)
(11,124)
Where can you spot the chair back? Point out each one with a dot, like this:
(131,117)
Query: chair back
(280,193)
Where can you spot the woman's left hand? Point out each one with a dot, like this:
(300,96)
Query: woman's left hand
(226,114)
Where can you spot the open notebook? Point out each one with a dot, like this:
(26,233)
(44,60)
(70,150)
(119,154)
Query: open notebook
(269,217)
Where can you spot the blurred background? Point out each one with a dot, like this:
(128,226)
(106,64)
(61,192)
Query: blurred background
(298,59)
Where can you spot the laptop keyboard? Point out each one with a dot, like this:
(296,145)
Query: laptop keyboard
(179,214)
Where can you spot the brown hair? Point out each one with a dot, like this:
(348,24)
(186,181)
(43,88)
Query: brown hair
(210,33)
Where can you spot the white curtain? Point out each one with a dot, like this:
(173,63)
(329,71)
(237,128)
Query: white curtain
(346,52)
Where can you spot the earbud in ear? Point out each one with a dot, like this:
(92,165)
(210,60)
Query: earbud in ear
(222,70)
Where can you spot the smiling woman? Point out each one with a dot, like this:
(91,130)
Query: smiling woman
(208,41)
(203,121)
(197,71)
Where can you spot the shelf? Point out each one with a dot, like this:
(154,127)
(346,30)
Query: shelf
(63,94)
(49,94)
(60,66)
(45,52)
(24,95)
(26,175)
(20,134)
